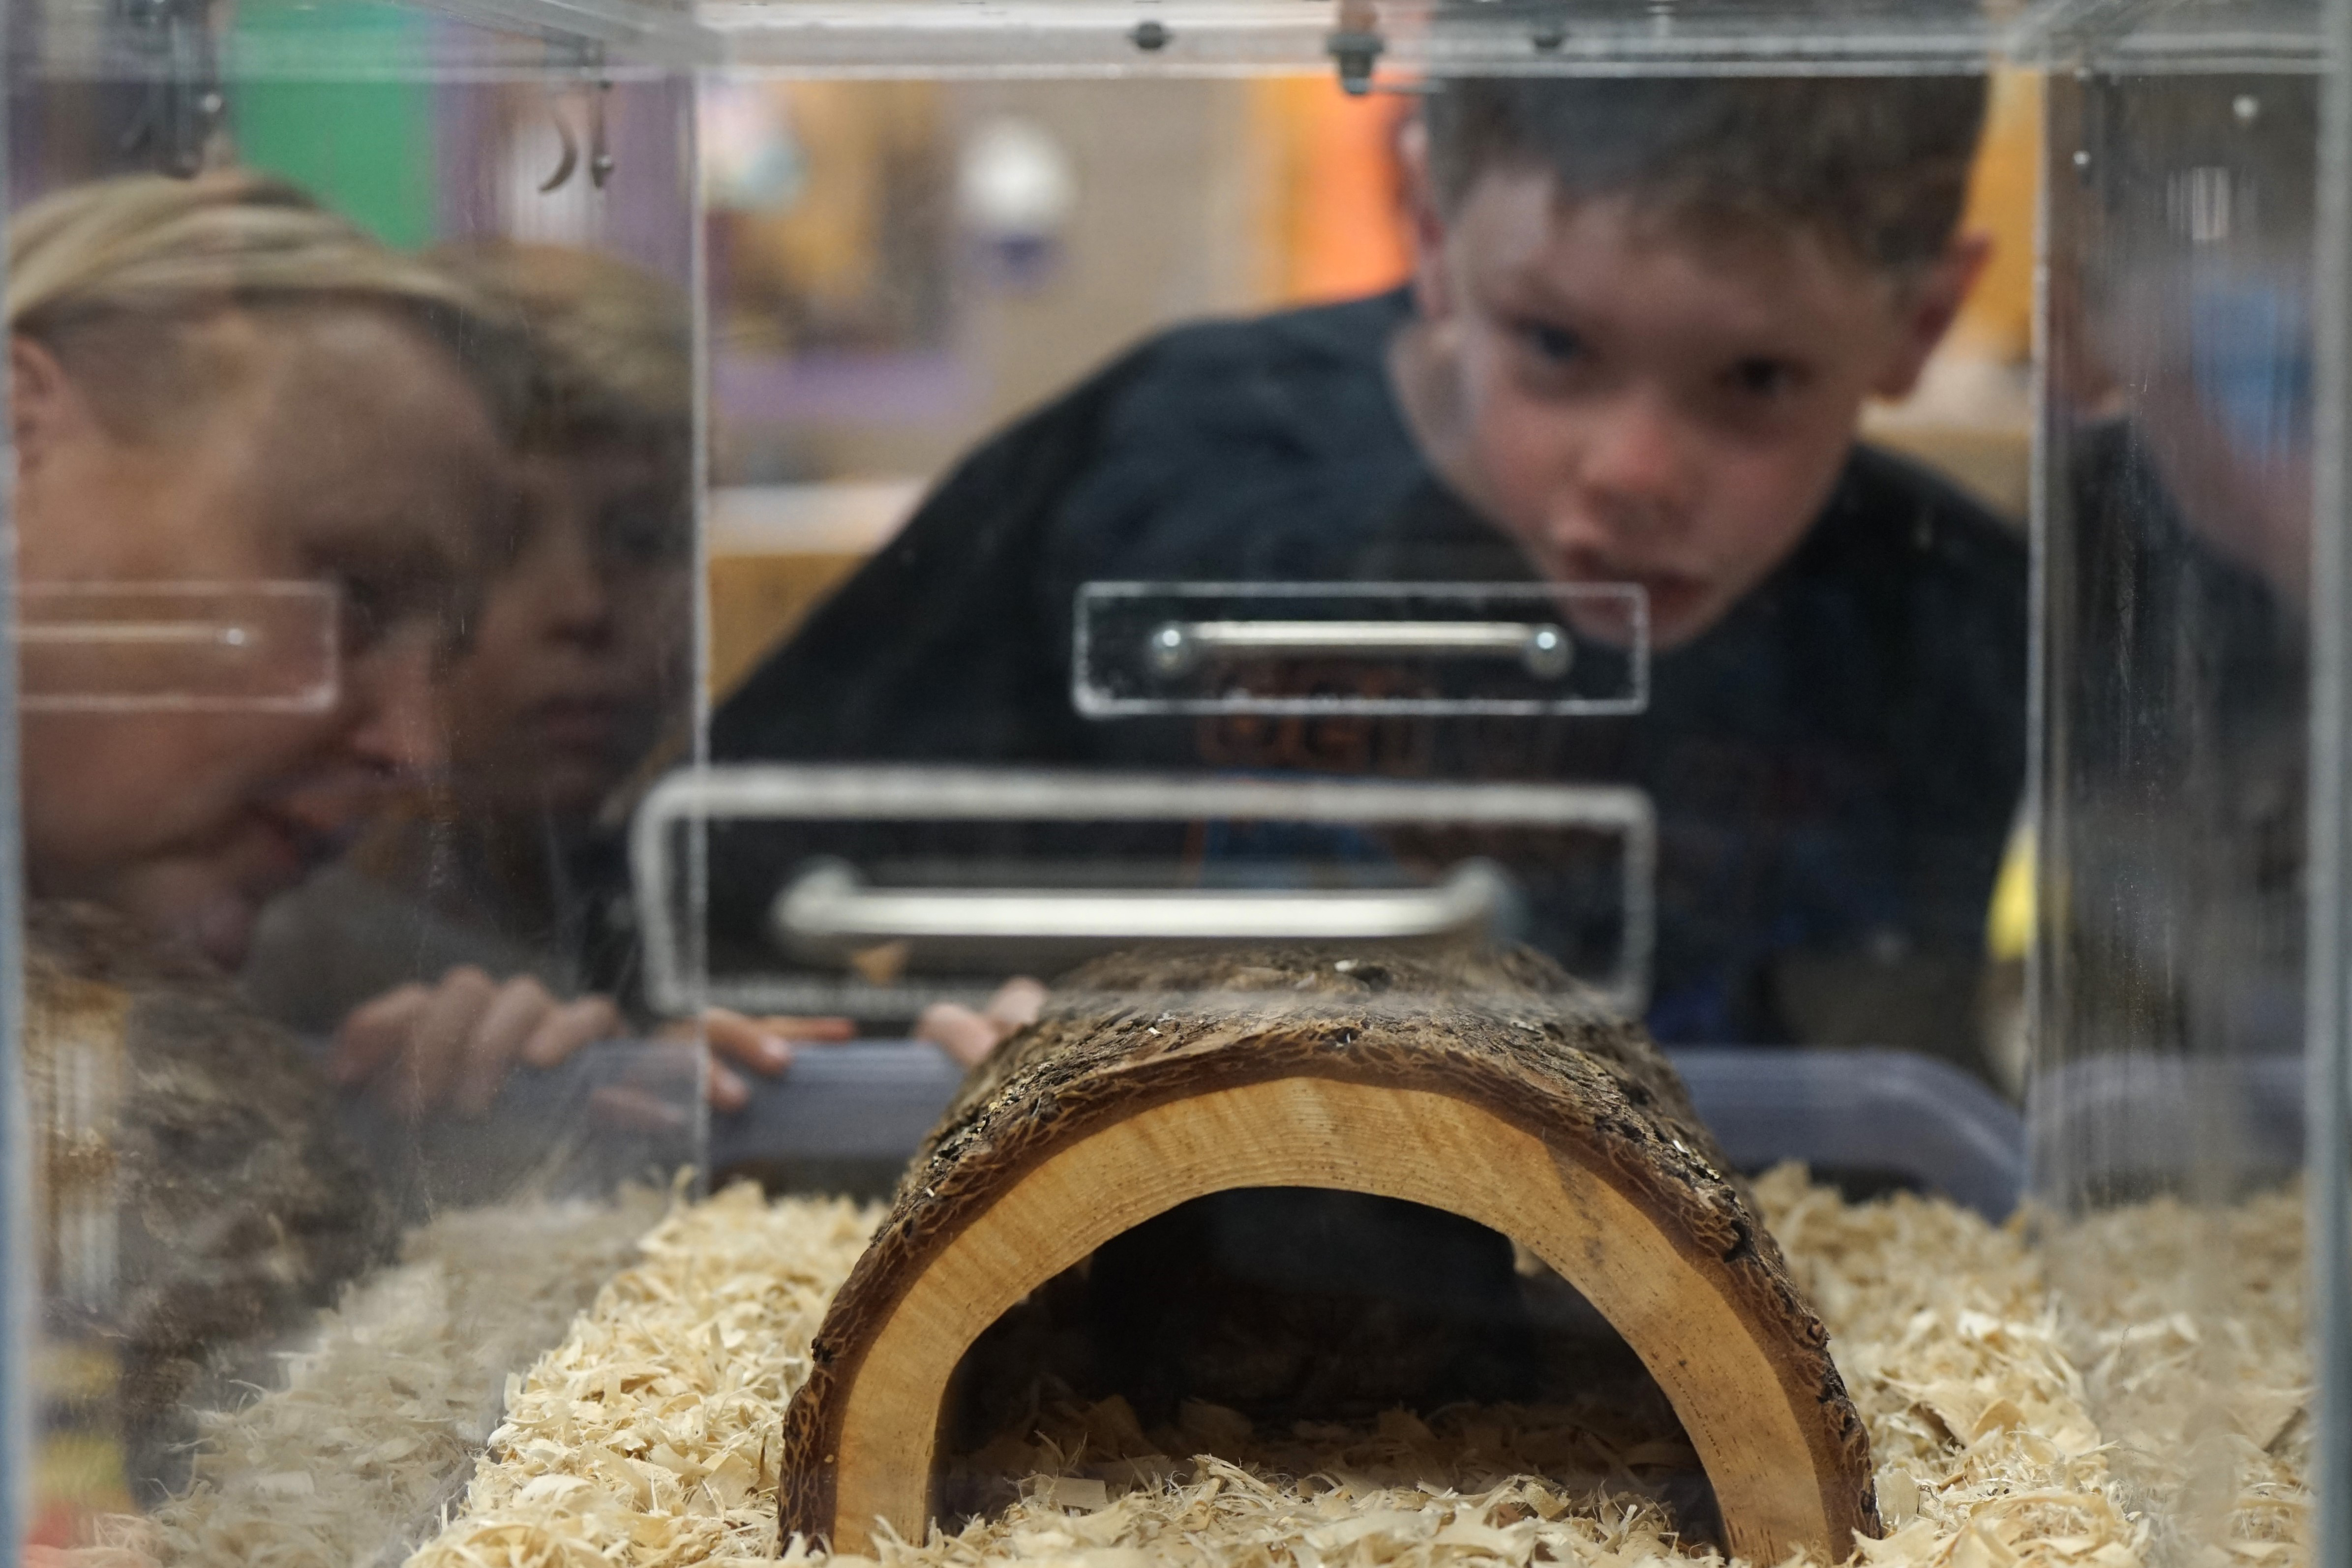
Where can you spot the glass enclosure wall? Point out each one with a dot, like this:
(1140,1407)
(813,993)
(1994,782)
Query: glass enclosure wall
(2178,574)
(2177,538)
(1556,699)
(333,721)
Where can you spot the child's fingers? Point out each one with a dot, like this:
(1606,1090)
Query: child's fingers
(959,1031)
(515,1011)
(969,1037)
(569,1028)
(1017,1004)
(729,1091)
(753,1042)
(793,1027)
(374,1033)
(429,1064)
(621,1106)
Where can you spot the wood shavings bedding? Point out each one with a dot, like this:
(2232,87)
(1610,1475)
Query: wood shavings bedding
(2114,1424)
(351,1462)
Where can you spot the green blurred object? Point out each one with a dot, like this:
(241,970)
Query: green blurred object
(365,147)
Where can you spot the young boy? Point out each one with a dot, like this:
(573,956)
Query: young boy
(469,931)
(1644,321)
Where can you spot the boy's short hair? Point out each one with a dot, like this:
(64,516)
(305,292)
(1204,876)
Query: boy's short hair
(606,348)
(1877,165)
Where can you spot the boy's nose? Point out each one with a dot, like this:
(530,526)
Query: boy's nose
(1636,466)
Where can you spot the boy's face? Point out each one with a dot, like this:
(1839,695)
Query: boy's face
(581,654)
(1635,404)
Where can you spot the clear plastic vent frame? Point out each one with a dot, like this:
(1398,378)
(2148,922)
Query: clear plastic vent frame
(1068,779)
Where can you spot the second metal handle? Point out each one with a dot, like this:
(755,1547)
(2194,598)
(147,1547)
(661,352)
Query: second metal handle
(1544,647)
(829,911)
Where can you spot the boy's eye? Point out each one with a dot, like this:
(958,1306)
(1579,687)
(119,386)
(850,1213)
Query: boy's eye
(1763,378)
(1556,344)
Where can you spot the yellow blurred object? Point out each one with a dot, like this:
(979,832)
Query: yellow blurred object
(82,1471)
(2004,196)
(83,1371)
(1334,225)
(830,265)
(778,551)
(758,601)
(1969,414)
(1992,463)
(2009,923)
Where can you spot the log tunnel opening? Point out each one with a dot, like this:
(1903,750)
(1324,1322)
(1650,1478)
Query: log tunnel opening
(1282,1325)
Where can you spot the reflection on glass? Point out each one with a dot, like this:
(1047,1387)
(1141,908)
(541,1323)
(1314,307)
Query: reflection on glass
(2166,1103)
(1316,540)
(2178,541)
(267,648)
(310,530)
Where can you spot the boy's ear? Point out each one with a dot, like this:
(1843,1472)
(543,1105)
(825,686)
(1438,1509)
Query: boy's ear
(1927,306)
(1433,291)
(45,408)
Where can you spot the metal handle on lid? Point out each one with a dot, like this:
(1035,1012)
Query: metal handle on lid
(141,634)
(1176,648)
(829,911)
(266,647)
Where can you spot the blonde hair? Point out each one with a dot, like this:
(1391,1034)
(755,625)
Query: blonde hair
(606,347)
(133,260)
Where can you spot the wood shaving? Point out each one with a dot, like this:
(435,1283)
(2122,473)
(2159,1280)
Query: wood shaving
(353,1461)
(2102,1421)
(646,1436)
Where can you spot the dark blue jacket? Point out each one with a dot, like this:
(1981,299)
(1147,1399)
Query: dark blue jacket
(1835,765)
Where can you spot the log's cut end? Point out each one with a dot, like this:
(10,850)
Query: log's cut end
(1486,1086)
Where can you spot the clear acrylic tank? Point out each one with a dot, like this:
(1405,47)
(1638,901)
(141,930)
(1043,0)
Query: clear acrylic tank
(1494,614)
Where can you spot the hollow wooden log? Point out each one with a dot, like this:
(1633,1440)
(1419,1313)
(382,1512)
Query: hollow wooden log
(1487,1087)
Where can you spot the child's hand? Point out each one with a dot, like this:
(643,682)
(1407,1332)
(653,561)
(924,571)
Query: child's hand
(763,1045)
(419,1046)
(970,1037)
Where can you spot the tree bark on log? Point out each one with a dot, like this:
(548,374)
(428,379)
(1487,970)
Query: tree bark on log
(1486,1086)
